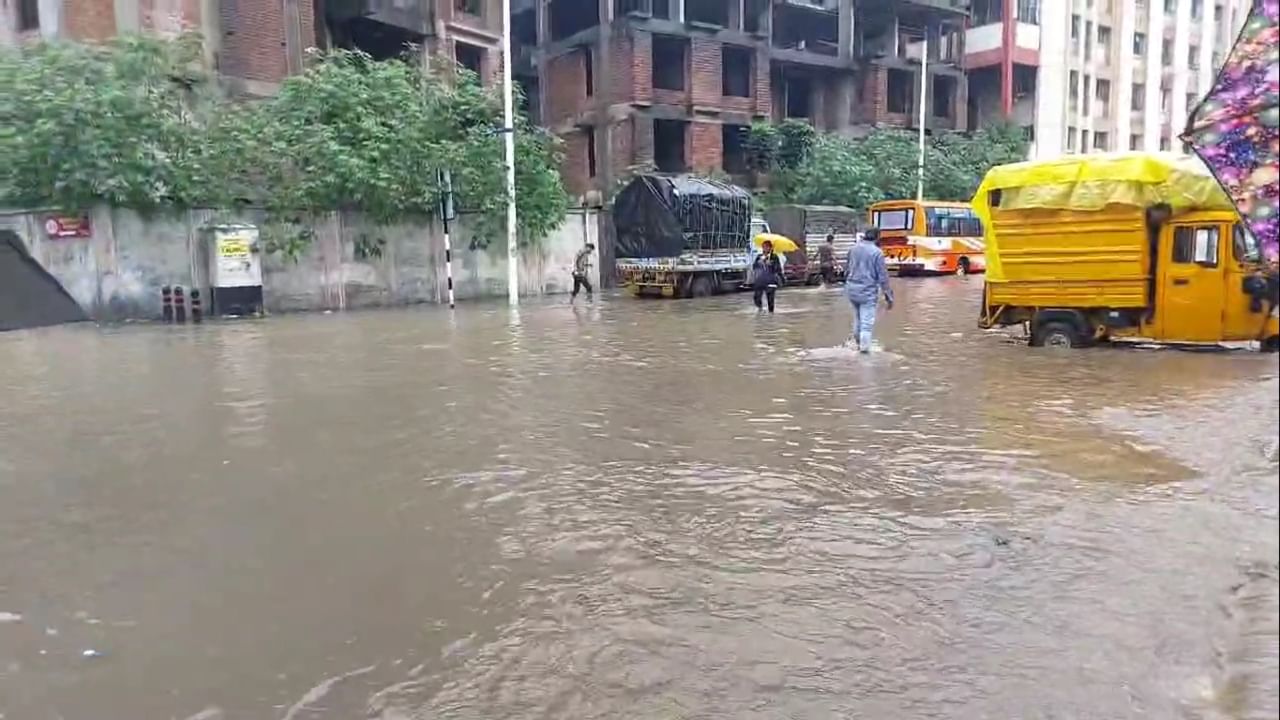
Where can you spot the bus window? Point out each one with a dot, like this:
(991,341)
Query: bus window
(899,219)
(952,222)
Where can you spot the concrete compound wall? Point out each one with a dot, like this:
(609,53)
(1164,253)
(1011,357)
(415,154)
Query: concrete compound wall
(117,272)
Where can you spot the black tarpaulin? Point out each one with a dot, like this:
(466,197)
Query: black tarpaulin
(29,295)
(657,216)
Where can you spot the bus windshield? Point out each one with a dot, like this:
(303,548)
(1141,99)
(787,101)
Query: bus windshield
(952,222)
(894,219)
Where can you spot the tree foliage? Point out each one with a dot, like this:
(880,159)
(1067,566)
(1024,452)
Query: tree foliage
(836,170)
(129,124)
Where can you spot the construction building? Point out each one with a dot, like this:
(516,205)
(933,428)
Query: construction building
(254,44)
(1096,75)
(672,85)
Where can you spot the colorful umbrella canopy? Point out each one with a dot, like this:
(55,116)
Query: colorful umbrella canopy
(1236,128)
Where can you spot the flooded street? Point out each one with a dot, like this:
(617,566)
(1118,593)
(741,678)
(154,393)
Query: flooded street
(667,510)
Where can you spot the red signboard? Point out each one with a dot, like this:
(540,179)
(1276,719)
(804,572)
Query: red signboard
(60,226)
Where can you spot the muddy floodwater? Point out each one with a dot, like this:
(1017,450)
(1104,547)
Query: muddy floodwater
(645,510)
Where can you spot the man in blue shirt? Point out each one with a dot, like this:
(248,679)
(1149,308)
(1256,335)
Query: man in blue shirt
(866,277)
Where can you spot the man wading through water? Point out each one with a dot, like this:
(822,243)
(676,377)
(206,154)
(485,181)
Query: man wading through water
(866,276)
(827,260)
(768,275)
(581,264)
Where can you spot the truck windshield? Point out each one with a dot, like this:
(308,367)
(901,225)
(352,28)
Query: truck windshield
(1244,245)
(952,222)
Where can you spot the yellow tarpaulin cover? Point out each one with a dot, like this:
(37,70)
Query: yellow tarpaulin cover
(1091,182)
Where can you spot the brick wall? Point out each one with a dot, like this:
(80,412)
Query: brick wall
(89,19)
(624,68)
(704,72)
(703,146)
(872,108)
(573,169)
(253,44)
(565,84)
(641,60)
(763,91)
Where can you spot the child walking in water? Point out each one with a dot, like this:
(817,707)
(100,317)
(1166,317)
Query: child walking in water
(768,275)
(866,276)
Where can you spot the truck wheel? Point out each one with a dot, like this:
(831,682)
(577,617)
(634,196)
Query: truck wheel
(1271,344)
(1056,334)
(702,286)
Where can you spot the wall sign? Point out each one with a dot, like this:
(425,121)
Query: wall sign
(66,226)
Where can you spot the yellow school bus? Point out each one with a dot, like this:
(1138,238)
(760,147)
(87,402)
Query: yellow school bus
(929,237)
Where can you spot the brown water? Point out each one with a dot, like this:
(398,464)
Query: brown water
(635,510)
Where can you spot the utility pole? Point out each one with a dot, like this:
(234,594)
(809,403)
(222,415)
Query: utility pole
(446,217)
(924,111)
(509,136)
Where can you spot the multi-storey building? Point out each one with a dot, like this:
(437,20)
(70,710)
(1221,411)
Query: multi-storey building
(255,44)
(1096,75)
(673,84)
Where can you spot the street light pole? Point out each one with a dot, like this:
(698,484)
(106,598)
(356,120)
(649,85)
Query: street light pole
(924,112)
(509,137)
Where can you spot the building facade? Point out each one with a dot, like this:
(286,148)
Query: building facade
(672,85)
(254,44)
(1096,75)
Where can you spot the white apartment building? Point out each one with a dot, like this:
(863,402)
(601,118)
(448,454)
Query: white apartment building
(1096,75)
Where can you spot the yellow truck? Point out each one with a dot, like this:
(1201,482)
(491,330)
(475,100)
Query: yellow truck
(1125,245)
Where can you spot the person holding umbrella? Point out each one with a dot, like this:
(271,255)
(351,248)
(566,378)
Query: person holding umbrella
(766,270)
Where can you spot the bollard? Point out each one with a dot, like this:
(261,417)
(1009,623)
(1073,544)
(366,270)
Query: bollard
(179,305)
(197,309)
(166,303)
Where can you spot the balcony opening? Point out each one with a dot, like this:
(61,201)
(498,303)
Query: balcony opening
(733,148)
(470,57)
(735,71)
(900,92)
(987,12)
(524,28)
(530,93)
(380,41)
(874,24)
(707,12)
(469,7)
(569,17)
(808,29)
(28,15)
(668,146)
(660,9)
(797,96)
(669,62)
(754,15)
(944,96)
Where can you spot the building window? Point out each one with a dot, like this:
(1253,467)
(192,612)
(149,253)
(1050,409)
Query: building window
(1217,13)
(1088,40)
(1165,145)
(733,151)
(1193,57)
(668,146)
(1073,91)
(1084,141)
(735,71)
(1088,96)
(1166,99)
(987,12)
(1104,40)
(1029,11)
(901,91)
(1102,93)
(1101,141)
(1029,132)
(669,62)
(1139,44)
(1075,28)
(589,135)
(1192,101)
(1197,9)
(28,15)
(1166,52)
(470,57)
(1135,142)
(588,70)
(1138,100)
(944,93)
(1170,7)
(707,12)
(1071,139)
(470,7)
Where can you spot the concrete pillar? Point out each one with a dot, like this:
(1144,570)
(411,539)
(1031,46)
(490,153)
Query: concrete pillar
(677,10)
(844,30)
(603,96)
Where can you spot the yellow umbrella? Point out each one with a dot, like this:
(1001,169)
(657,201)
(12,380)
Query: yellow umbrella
(781,243)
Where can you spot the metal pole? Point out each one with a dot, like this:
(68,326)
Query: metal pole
(446,217)
(924,112)
(509,135)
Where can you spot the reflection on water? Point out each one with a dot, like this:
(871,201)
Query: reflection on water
(632,509)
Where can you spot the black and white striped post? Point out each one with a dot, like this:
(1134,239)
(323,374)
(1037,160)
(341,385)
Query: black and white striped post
(446,217)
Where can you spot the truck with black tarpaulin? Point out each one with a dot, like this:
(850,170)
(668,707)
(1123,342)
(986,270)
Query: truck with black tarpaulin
(682,236)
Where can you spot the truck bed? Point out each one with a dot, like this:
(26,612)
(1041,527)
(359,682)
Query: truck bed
(1059,258)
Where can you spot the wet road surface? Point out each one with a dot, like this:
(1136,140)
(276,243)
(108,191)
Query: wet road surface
(666,510)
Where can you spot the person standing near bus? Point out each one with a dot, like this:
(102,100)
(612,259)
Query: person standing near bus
(866,278)
(827,260)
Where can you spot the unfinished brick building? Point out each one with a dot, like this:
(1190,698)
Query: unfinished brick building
(255,44)
(673,84)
